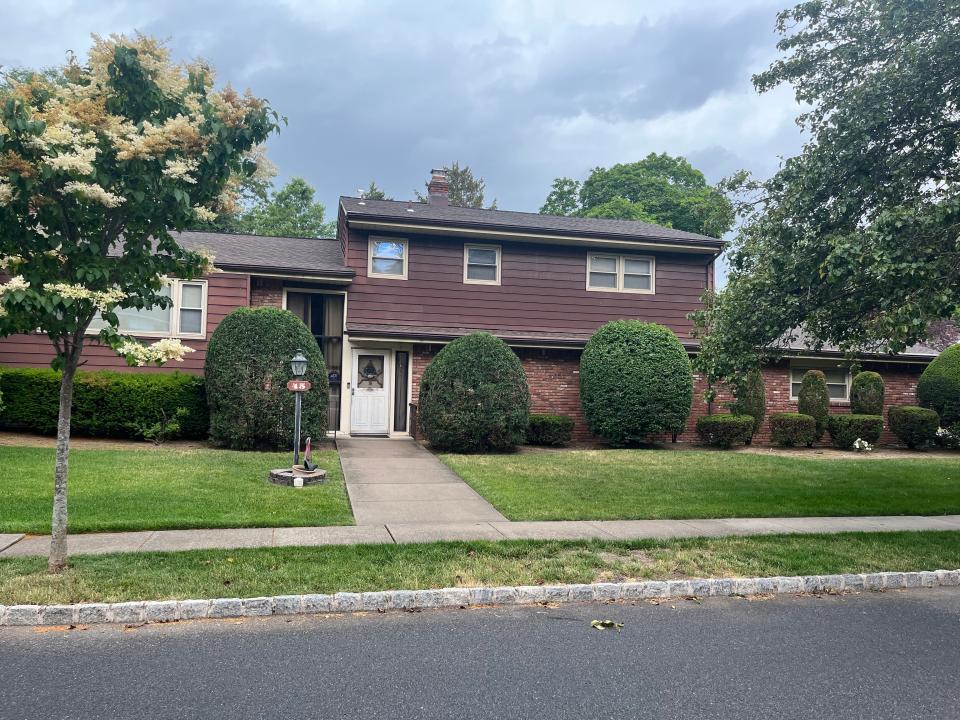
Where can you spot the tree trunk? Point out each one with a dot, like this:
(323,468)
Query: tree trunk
(58,535)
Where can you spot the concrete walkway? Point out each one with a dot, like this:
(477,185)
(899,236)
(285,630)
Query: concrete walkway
(174,540)
(395,481)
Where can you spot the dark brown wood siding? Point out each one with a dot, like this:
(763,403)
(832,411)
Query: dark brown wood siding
(225,293)
(543,288)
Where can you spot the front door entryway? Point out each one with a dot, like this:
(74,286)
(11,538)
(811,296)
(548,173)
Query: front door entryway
(370,401)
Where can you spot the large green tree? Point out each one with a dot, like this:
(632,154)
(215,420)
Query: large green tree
(856,239)
(290,211)
(98,163)
(660,189)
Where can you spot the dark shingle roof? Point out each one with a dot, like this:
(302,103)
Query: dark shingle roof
(477,218)
(252,253)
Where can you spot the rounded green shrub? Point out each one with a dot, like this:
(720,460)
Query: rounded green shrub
(939,385)
(551,430)
(474,396)
(635,379)
(916,427)
(866,394)
(792,429)
(814,400)
(247,369)
(724,430)
(845,429)
(751,399)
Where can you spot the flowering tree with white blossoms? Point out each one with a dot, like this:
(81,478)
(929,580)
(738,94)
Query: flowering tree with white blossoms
(99,161)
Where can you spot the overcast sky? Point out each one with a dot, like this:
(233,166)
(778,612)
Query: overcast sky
(522,91)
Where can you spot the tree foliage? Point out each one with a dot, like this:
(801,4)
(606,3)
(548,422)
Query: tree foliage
(866,394)
(939,386)
(659,189)
(855,240)
(290,211)
(466,190)
(751,399)
(814,399)
(374,193)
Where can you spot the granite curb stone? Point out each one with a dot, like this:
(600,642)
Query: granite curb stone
(171,610)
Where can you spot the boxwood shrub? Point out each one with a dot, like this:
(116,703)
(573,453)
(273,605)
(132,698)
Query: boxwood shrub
(866,394)
(916,427)
(725,430)
(792,429)
(814,400)
(105,403)
(474,396)
(845,429)
(751,399)
(247,369)
(553,430)
(635,379)
(939,386)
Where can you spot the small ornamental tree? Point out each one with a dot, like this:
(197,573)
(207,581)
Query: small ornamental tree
(814,400)
(98,162)
(635,379)
(939,386)
(751,399)
(474,396)
(247,369)
(866,394)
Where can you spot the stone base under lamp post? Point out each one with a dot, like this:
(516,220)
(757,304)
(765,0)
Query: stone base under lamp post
(297,476)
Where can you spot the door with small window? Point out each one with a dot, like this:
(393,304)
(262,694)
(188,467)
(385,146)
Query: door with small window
(370,401)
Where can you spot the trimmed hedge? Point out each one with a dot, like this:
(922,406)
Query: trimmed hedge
(814,400)
(939,386)
(474,396)
(552,430)
(247,369)
(635,379)
(845,429)
(916,427)
(105,403)
(751,399)
(866,394)
(725,430)
(791,429)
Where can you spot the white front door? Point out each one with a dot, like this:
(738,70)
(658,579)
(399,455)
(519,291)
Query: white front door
(369,404)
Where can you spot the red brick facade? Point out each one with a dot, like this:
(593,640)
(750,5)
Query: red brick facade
(266,292)
(554,380)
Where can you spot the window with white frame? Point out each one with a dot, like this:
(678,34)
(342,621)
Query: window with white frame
(838,380)
(481,264)
(620,273)
(186,317)
(388,258)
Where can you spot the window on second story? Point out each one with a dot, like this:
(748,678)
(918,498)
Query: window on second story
(388,258)
(481,264)
(620,273)
(187,317)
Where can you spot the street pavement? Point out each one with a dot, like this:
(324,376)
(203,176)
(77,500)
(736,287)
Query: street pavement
(875,655)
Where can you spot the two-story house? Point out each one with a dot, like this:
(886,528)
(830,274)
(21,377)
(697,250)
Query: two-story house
(403,278)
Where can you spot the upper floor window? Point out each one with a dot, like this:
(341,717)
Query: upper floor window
(388,258)
(186,318)
(481,264)
(838,380)
(620,273)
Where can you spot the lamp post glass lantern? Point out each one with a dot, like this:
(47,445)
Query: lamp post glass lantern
(298,365)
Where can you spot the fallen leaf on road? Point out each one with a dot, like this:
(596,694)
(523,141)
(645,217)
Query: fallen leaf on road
(604,624)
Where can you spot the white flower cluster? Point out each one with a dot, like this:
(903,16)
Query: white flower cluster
(159,352)
(10,261)
(15,283)
(205,214)
(94,192)
(6,193)
(861,445)
(180,169)
(101,299)
(79,161)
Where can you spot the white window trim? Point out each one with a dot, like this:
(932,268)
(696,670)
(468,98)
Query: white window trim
(621,264)
(466,258)
(802,368)
(174,331)
(371,241)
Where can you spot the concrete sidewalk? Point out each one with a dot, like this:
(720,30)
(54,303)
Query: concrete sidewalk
(175,540)
(397,481)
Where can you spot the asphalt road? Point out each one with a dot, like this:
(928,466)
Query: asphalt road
(890,655)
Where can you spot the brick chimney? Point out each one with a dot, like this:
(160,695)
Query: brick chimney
(438,191)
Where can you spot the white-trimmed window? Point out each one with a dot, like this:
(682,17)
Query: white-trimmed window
(481,264)
(838,380)
(388,258)
(186,318)
(621,273)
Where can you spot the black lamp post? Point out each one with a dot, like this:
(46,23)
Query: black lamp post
(298,365)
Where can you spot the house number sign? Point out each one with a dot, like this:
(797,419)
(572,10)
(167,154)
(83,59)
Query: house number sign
(298,385)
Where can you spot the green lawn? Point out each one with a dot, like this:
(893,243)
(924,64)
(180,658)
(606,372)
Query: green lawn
(633,484)
(153,489)
(293,570)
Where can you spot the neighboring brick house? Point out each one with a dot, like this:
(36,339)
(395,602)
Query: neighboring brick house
(403,278)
